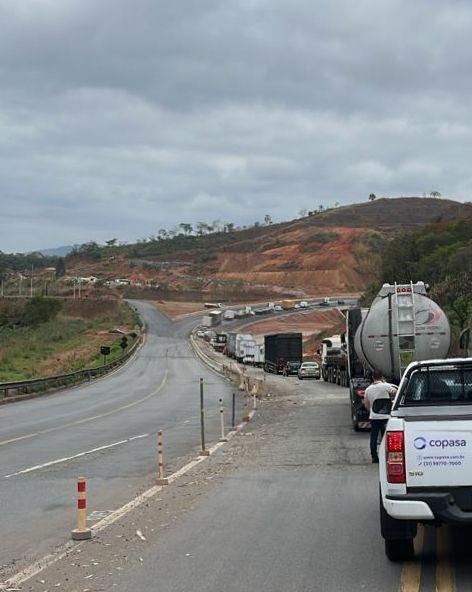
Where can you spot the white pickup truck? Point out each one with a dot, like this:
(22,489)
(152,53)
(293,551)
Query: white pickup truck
(425,455)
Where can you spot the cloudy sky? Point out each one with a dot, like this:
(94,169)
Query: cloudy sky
(119,117)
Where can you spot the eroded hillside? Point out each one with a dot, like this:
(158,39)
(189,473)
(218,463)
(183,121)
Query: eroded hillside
(328,252)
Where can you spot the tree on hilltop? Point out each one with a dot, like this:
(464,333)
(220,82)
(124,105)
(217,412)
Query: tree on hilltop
(372,196)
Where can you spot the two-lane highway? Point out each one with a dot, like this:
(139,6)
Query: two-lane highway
(105,431)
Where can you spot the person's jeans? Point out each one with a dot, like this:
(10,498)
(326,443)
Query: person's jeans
(376,426)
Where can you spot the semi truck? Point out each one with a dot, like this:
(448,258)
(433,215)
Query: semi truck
(253,353)
(235,345)
(401,326)
(218,343)
(288,304)
(283,353)
(212,319)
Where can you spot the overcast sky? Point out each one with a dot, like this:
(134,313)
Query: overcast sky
(119,117)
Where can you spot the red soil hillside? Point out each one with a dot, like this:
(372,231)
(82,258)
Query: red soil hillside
(331,252)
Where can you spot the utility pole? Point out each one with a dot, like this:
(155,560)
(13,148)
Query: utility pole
(31,282)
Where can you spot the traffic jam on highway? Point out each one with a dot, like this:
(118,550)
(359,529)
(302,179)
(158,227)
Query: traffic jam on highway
(425,457)
(409,405)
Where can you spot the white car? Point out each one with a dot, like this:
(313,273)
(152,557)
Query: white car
(309,370)
(278,308)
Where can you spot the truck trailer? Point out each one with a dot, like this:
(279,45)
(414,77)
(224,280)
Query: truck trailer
(401,326)
(283,353)
(212,319)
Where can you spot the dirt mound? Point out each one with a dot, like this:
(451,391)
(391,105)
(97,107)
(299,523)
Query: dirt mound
(308,323)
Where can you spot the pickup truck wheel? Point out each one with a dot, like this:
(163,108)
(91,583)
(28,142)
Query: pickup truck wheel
(398,535)
(399,549)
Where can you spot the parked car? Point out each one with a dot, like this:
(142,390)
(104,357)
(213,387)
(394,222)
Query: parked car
(278,308)
(309,370)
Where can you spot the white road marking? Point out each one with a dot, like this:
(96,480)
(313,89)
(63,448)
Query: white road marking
(93,418)
(40,565)
(79,455)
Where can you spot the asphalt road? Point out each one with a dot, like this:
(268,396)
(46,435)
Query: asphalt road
(105,431)
(289,505)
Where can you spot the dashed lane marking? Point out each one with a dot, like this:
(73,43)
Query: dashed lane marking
(88,419)
(74,456)
(37,567)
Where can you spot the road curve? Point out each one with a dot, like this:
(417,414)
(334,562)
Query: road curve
(104,431)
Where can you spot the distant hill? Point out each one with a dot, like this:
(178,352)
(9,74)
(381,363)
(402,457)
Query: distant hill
(400,210)
(57,251)
(336,251)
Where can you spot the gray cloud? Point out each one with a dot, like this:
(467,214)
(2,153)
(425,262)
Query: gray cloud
(118,118)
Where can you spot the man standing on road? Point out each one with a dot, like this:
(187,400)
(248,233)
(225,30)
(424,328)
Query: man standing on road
(379,389)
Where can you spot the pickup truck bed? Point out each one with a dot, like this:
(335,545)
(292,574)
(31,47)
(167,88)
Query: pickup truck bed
(425,467)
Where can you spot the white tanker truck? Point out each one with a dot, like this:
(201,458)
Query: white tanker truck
(401,326)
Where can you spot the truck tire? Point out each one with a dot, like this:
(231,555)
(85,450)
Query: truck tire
(398,535)
(355,420)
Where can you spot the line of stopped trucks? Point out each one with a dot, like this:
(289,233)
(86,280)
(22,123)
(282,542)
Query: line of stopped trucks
(401,326)
(425,456)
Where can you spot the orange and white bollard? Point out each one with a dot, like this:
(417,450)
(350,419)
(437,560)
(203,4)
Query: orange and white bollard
(82,532)
(160,459)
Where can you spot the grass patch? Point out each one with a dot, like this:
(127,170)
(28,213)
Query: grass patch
(70,342)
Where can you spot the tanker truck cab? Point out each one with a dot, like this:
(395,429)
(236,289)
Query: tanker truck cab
(425,468)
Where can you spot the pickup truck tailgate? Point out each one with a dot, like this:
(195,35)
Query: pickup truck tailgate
(438,453)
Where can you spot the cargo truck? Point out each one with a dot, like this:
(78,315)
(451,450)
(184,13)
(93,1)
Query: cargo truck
(234,346)
(401,326)
(212,319)
(253,353)
(288,304)
(283,353)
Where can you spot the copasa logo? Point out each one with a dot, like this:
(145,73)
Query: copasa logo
(419,442)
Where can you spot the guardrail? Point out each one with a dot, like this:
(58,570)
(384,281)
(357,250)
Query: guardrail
(230,370)
(25,389)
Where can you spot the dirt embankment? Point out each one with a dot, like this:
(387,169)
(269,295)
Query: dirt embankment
(308,323)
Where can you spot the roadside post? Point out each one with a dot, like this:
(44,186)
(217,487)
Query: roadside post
(160,456)
(81,533)
(204,451)
(222,422)
(233,411)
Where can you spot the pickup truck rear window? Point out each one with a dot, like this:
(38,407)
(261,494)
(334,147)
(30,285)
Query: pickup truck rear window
(439,386)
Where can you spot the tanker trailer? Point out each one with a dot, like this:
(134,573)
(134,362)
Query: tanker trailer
(401,326)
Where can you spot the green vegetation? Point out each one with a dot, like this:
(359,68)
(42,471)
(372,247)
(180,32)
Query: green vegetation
(70,341)
(440,255)
(21,262)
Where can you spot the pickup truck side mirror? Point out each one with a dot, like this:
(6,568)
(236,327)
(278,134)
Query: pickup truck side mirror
(382,406)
